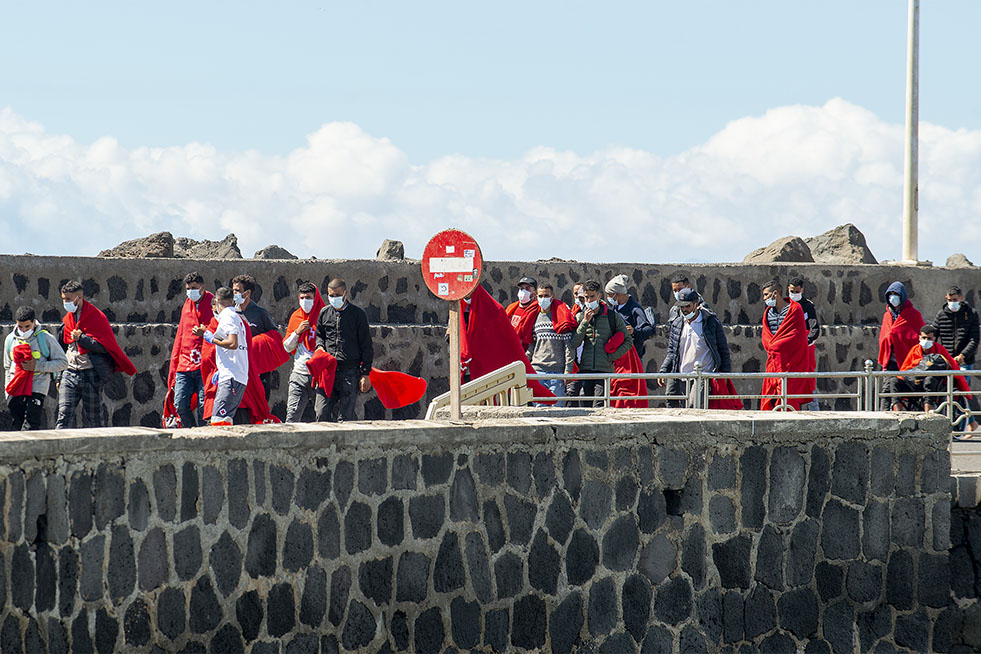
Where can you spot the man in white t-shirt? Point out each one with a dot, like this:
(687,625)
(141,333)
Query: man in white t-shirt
(231,357)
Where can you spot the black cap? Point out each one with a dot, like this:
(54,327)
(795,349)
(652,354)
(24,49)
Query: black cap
(528,280)
(688,296)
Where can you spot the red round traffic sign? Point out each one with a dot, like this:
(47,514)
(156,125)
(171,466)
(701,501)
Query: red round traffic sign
(451,264)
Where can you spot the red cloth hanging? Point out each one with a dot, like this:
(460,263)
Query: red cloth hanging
(898,335)
(22,382)
(396,389)
(629,363)
(269,353)
(723,387)
(95,324)
(488,342)
(786,351)
(322,367)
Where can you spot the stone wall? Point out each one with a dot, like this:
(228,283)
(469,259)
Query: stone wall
(673,532)
(423,351)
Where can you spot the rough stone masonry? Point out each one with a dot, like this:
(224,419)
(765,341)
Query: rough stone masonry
(626,531)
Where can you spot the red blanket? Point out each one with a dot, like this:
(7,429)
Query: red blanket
(723,387)
(255,394)
(488,342)
(322,367)
(309,337)
(397,389)
(95,324)
(787,351)
(562,319)
(523,320)
(268,352)
(22,383)
(629,363)
(897,335)
(915,355)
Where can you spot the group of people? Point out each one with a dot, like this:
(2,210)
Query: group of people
(606,329)
(227,347)
(221,363)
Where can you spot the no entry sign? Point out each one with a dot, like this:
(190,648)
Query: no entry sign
(451,264)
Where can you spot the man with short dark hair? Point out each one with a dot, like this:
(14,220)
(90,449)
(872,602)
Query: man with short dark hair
(679,282)
(696,336)
(795,291)
(93,356)
(260,322)
(184,376)
(958,331)
(32,354)
(597,325)
(551,342)
(230,339)
(344,333)
(301,340)
(927,354)
(525,311)
(785,343)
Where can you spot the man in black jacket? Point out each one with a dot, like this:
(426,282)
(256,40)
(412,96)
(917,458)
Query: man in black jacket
(696,336)
(795,291)
(342,331)
(633,314)
(959,332)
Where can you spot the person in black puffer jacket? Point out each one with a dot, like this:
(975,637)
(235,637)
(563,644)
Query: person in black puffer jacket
(958,327)
(706,343)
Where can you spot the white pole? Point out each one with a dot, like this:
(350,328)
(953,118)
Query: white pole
(910,183)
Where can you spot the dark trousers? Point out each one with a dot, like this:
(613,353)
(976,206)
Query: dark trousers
(83,386)
(674,387)
(339,407)
(266,379)
(186,384)
(592,388)
(910,387)
(27,411)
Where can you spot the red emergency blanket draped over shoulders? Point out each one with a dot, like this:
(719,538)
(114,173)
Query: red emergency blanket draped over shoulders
(915,355)
(255,395)
(899,334)
(522,319)
(95,324)
(487,341)
(787,351)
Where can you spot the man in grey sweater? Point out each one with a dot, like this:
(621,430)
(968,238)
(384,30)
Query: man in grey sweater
(551,349)
(48,359)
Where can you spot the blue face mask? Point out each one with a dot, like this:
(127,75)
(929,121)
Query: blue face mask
(593,306)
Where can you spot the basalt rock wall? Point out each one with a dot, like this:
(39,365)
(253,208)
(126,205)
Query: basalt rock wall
(668,532)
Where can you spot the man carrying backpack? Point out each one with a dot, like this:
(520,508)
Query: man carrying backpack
(30,357)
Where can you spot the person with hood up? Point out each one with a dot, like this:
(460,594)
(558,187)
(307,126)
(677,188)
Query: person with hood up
(899,332)
(40,356)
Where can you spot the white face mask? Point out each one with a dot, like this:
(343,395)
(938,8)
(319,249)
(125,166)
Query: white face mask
(20,334)
(70,307)
(524,295)
(580,302)
(467,300)
(689,316)
(796,297)
(593,306)
(336,301)
(306,304)
(677,295)
(771,301)
(545,303)
(954,306)
(194,294)
(926,343)
(894,300)
(238,299)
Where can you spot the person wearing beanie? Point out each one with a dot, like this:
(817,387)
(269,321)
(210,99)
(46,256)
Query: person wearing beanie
(639,327)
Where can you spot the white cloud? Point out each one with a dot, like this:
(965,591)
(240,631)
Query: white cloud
(794,170)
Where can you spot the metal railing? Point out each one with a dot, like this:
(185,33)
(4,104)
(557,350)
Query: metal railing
(507,386)
(867,396)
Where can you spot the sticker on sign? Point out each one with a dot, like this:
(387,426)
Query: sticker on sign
(444,289)
(450,264)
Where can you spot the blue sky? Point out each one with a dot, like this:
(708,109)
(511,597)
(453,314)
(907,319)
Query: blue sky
(489,82)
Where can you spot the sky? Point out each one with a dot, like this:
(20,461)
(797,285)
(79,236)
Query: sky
(628,131)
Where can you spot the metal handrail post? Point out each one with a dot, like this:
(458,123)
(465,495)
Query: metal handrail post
(607,391)
(698,386)
(869,384)
(783,393)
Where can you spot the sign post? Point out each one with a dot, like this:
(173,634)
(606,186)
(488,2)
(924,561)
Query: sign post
(451,265)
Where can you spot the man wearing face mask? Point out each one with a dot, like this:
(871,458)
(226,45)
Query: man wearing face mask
(899,332)
(301,339)
(927,354)
(958,331)
(597,325)
(184,378)
(93,356)
(525,311)
(679,282)
(633,314)
(343,332)
(551,342)
(696,336)
(795,291)
(40,356)
(785,343)
(260,322)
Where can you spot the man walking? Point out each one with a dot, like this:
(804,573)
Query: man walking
(795,291)
(93,356)
(525,311)
(551,341)
(958,332)
(696,336)
(342,332)
(785,342)
(30,354)
(597,325)
(260,322)
(301,341)
(231,358)
(184,378)
(899,332)
(633,314)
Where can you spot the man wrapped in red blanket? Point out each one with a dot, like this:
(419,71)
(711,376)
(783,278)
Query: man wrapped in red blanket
(785,342)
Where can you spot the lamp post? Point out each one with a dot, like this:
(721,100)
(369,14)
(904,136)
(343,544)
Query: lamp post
(910,184)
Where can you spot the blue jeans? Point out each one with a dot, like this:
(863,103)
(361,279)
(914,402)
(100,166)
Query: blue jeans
(972,402)
(557,386)
(185,386)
